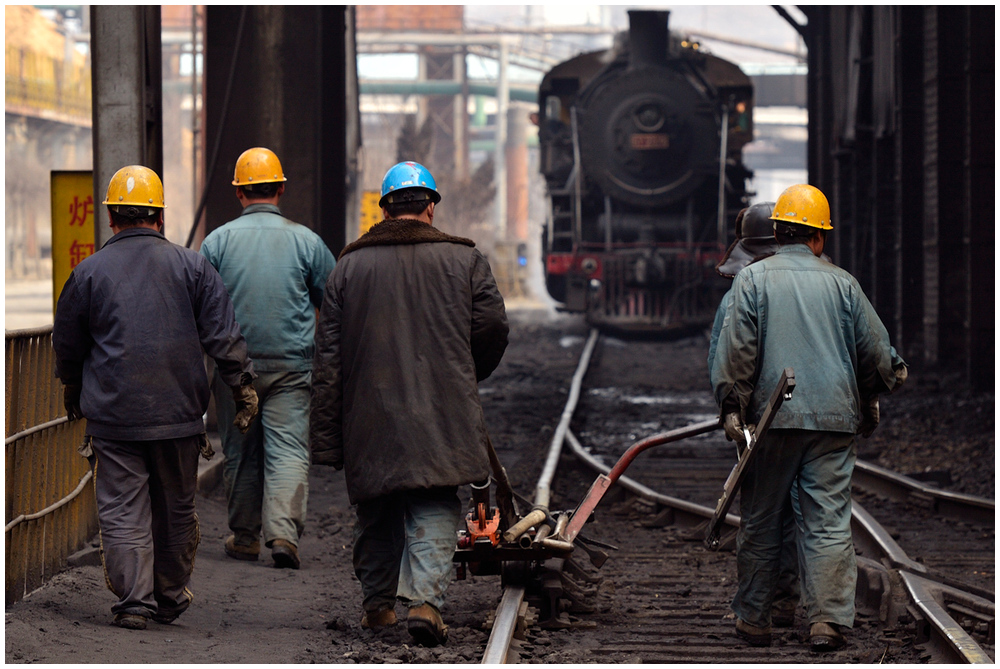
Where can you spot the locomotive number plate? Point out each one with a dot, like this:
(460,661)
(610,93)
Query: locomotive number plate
(645,141)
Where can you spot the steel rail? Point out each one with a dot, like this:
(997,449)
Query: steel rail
(543,490)
(504,625)
(498,644)
(872,538)
(898,487)
(960,647)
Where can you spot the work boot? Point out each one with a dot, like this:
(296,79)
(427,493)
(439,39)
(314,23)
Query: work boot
(824,637)
(783,614)
(285,554)
(242,551)
(376,620)
(755,636)
(166,614)
(130,621)
(425,626)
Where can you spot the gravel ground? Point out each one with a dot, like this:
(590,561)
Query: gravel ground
(252,613)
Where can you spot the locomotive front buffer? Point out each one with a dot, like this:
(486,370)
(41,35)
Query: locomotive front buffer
(538,549)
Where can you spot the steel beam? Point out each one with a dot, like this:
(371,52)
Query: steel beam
(127,96)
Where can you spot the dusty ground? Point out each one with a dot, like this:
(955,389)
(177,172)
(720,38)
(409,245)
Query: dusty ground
(252,613)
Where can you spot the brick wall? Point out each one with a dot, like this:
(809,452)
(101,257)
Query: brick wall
(408,18)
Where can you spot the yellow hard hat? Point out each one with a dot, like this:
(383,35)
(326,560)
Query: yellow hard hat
(135,186)
(258,166)
(803,204)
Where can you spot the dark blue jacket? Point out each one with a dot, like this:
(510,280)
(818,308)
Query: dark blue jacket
(132,324)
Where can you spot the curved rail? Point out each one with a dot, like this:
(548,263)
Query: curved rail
(928,595)
(543,490)
(926,592)
(899,487)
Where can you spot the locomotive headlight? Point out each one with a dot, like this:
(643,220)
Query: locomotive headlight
(588,265)
(595,286)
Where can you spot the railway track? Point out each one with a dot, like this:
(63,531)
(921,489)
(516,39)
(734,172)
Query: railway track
(937,606)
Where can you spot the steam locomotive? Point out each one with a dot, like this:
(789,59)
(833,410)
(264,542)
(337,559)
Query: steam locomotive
(641,149)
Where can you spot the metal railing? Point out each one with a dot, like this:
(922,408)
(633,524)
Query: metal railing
(51,511)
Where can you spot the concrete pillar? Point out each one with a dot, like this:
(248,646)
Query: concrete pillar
(517,172)
(126,96)
(461,119)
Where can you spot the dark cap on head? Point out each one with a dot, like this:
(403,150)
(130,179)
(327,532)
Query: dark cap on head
(754,238)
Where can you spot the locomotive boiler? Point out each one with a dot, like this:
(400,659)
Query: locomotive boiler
(641,149)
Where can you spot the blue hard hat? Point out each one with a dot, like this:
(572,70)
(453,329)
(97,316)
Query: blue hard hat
(408,182)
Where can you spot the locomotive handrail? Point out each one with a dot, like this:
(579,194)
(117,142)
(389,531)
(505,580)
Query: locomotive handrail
(723,148)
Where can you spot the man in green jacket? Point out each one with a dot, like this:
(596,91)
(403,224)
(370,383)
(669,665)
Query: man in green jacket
(275,271)
(796,310)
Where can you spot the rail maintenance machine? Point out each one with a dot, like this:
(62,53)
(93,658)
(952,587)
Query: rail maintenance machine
(535,549)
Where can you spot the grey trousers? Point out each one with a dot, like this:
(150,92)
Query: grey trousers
(266,471)
(149,529)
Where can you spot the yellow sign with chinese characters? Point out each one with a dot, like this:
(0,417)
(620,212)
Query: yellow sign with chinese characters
(72,225)
(371,213)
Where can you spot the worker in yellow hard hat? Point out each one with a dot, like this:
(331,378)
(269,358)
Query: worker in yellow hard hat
(275,271)
(796,310)
(132,326)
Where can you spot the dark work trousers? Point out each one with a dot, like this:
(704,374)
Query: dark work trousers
(817,466)
(403,547)
(149,529)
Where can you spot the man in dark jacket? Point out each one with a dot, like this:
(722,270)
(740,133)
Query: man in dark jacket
(132,325)
(411,321)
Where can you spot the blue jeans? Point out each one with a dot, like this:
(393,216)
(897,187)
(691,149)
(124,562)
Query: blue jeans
(403,547)
(819,466)
(266,471)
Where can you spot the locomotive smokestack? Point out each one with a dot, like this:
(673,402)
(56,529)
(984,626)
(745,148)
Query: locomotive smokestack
(649,37)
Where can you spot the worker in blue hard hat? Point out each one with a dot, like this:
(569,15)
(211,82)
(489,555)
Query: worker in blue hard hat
(408,182)
(411,321)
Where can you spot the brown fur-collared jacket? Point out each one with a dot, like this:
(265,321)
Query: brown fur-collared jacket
(411,321)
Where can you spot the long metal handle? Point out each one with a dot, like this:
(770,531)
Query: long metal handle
(782,392)
(603,483)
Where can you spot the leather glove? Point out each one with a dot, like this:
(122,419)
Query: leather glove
(329,457)
(246,406)
(71,400)
(733,426)
(205,447)
(869,416)
(901,375)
